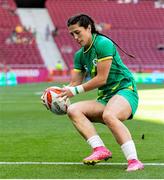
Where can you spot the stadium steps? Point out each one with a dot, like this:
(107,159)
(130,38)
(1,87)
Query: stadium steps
(37,20)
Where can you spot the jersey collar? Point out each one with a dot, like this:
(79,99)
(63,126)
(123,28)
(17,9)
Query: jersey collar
(93,39)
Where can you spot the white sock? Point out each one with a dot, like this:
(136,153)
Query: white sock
(95,141)
(129,150)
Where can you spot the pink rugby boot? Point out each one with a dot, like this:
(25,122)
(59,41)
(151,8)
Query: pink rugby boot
(134,165)
(98,154)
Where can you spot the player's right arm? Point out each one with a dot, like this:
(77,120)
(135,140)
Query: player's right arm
(78,73)
(77,77)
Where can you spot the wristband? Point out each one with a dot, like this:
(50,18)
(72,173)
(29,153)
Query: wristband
(76,90)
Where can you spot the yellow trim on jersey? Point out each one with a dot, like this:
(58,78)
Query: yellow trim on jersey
(106,58)
(131,88)
(77,70)
(115,87)
(91,44)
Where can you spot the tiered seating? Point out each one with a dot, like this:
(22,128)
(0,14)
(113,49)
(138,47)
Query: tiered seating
(16,54)
(138,28)
(131,16)
(8,16)
(19,54)
(8,4)
(141,43)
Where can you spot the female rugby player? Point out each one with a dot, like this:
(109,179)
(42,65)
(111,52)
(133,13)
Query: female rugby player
(117,98)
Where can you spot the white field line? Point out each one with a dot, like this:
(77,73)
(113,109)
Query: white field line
(72,163)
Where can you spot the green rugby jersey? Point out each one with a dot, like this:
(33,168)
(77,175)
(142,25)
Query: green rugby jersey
(102,49)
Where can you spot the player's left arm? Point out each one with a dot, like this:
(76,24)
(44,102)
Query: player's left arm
(77,77)
(103,68)
(105,51)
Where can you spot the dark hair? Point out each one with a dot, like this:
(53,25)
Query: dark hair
(84,21)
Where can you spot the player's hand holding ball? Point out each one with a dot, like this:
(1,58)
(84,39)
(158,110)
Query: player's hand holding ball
(52,101)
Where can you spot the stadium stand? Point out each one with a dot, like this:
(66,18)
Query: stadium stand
(138,28)
(19,53)
(23,52)
(8,20)
(8,16)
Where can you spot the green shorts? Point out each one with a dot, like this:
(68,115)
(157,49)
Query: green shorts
(130,95)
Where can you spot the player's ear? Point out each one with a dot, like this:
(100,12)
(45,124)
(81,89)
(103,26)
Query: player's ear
(89,27)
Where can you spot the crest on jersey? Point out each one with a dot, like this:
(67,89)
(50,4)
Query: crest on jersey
(94,61)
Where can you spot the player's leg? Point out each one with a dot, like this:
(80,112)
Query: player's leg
(116,111)
(81,114)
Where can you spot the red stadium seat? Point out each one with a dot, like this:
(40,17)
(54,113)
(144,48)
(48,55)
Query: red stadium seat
(16,54)
(138,28)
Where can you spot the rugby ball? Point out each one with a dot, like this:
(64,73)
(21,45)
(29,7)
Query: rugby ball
(55,104)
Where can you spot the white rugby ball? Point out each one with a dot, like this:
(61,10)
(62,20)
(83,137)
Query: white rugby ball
(53,103)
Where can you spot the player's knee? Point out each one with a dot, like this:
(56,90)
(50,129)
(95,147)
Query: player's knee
(72,110)
(109,118)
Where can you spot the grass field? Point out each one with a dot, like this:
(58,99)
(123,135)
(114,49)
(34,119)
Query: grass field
(29,133)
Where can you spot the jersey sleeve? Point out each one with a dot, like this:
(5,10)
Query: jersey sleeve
(104,49)
(77,64)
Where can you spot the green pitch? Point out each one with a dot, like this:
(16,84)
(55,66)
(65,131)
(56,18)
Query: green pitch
(30,133)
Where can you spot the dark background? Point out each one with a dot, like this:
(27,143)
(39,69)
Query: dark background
(30,3)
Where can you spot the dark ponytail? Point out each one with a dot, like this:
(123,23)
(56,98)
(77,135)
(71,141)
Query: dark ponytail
(130,55)
(84,21)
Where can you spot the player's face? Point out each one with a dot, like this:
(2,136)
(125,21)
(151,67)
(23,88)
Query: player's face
(82,35)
